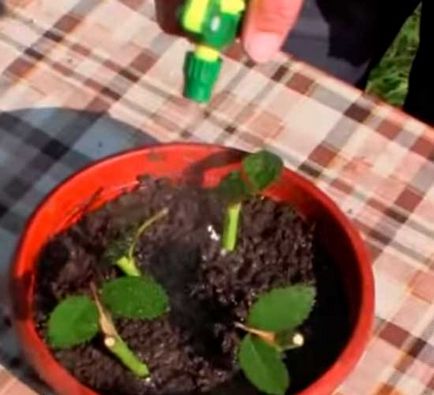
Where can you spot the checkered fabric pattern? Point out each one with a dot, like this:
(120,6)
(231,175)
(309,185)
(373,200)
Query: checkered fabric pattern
(81,79)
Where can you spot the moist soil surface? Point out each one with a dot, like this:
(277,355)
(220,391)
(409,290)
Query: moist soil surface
(192,349)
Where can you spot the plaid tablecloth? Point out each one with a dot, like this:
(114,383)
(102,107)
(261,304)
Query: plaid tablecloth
(81,79)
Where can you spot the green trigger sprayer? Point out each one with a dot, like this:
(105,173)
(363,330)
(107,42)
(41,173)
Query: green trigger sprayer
(214,26)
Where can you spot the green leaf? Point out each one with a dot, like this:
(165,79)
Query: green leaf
(72,322)
(282,309)
(262,169)
(232,188)
(262,364)
(135,297)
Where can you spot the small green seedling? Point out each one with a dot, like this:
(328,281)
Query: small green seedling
(78,319)
(121,251)
(259,171)
(271,329)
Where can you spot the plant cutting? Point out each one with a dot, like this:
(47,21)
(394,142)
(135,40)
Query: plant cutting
(271,326)
(78,319)
(259,170)
(270,301)
(121,250)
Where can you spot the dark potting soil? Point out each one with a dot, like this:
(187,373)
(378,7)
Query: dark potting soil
(192,349)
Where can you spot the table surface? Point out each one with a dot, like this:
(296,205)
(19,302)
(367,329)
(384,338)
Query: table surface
(81,79)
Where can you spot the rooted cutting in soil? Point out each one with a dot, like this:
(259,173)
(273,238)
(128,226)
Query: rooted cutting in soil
(191,349)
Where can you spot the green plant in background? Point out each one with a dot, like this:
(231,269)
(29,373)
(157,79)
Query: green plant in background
(259,171)
(271,329)
(78,319)
(389,80)
(121,251)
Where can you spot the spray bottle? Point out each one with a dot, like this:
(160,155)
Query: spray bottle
(213,25)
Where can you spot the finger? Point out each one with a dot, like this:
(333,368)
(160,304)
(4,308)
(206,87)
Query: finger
(267,26)
(166,12)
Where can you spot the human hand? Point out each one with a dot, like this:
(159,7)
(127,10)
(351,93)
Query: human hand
(166,15)
(265,29)
(267,25)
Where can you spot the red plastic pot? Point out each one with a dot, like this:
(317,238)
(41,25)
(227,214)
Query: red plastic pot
(199,164)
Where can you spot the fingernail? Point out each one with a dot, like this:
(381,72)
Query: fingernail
(263,46)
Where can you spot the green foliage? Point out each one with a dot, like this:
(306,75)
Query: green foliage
(389,80)
(262,364)
(282,309)
(72,322)
(77,319)
(259,170)
(233,188)
(262,169)
(135,297)
(271,327)
(121,251)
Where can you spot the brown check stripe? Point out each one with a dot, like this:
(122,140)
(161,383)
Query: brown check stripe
(81,79)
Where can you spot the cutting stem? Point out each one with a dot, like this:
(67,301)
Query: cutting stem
(121,350)
(114,342)
(230,230)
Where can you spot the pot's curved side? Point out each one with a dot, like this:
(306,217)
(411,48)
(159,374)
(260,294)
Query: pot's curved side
(197,164)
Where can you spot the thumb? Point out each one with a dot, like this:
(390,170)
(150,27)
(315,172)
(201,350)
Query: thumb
(267,26)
